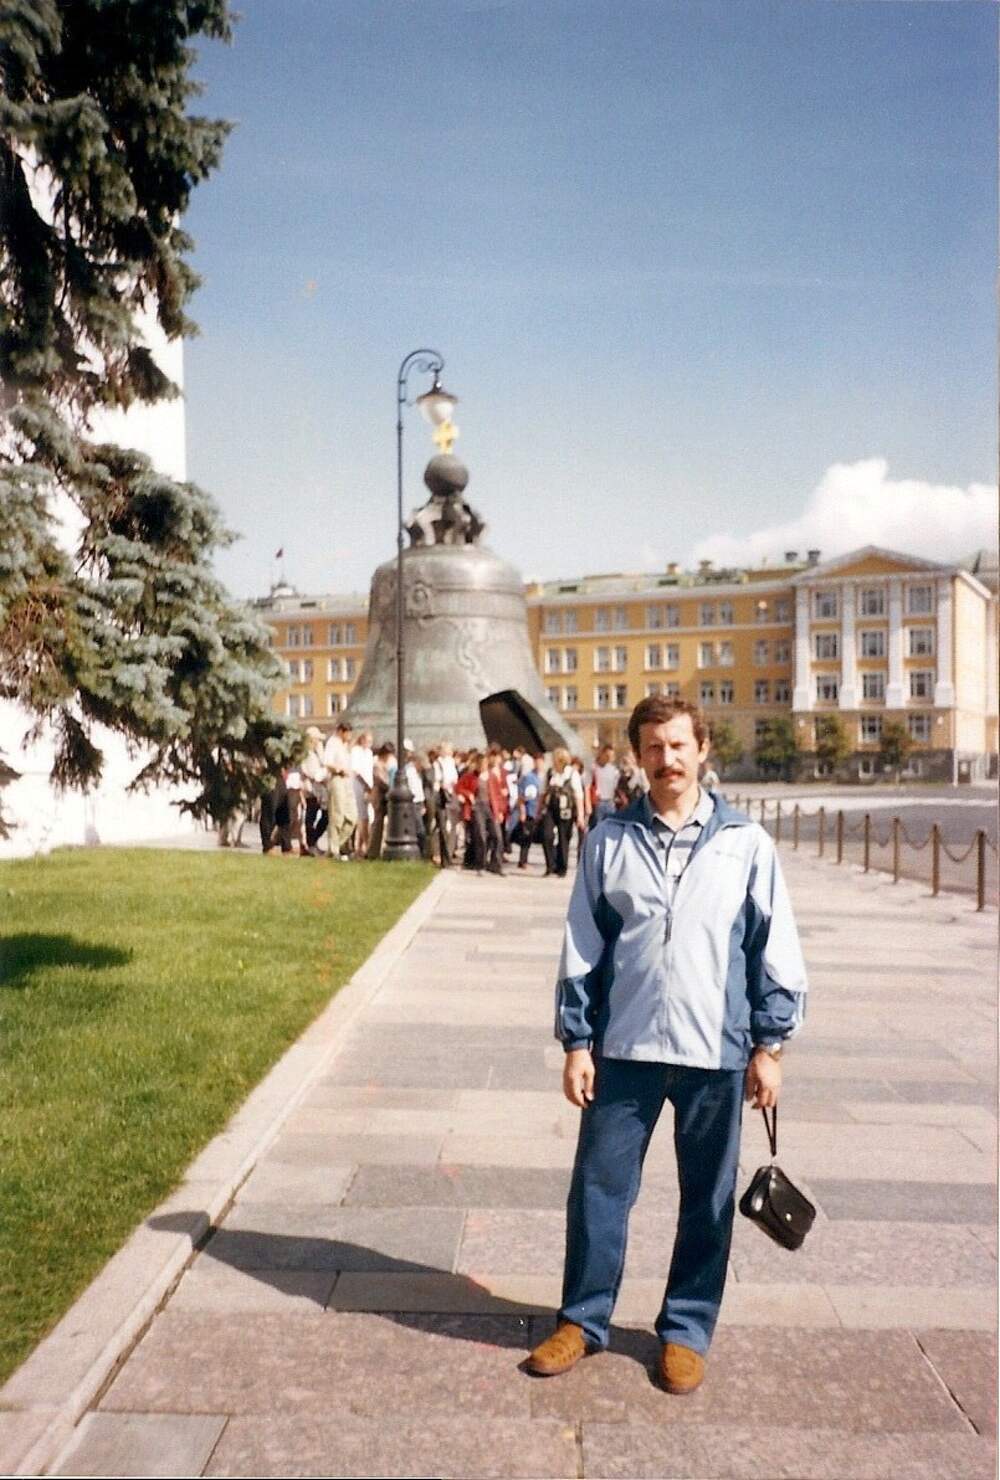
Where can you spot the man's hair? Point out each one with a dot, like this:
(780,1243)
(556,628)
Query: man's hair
(657,710)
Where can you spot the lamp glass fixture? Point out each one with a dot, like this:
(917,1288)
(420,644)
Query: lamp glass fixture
(436,405)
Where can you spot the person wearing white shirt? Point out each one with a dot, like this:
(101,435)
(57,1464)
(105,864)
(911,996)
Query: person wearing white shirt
(343,811)
(606,775)
(363,767)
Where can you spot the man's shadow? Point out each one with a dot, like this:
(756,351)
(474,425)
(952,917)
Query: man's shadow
(465,1304)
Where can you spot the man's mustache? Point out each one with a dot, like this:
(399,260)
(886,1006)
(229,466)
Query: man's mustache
(665,771)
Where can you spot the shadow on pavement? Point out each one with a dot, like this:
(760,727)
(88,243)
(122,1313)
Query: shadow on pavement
(267,1256)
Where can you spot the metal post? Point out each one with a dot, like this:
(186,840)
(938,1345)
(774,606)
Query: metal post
(980,869)
(840,836)
(795,826)
(895,850)
(763,809)
(401,819)
(777,822)
(935,858)
(868,840)
(822,830)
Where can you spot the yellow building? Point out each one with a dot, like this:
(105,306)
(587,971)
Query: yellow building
(870,636)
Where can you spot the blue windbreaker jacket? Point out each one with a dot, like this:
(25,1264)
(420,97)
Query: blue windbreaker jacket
(698,985)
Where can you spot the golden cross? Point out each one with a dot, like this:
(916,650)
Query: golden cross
(445,436)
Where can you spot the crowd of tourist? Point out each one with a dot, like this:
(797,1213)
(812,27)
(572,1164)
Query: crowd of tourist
(474,809)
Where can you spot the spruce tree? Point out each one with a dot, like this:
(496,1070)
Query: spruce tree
(126,625)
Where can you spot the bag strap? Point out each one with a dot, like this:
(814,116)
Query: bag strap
(772,1129)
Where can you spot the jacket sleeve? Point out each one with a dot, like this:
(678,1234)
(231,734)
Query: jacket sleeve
(583,947)
(776,972)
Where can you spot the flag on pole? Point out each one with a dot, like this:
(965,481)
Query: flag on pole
(280,554)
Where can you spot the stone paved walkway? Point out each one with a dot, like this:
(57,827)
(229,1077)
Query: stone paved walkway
(364,1307)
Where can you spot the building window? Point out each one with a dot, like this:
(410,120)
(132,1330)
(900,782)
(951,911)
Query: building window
(294,638)
(333,635)
(306,671)
(866,766)
(619,618)
(706,693)
(873,684)
(921,683)
(919,726)
(552,695)
(553,660)
(552,621)
(782,691)
(672,690)
(783,651)
(706,614)
(673,616)
(726,691)
(308,636)
(350,633)
(761,652)
(825,605)
(621,659)
(333,703)
(307,706)
(654,655)
(292,703)
(656,617)
(870,729)
(569,660)
(350,669)
(827,645)
(762,691)
(725,613)
(919,601)
(783,610)
(673,655)
(873,643)
(706,655)
(333,673)
(602,619)
(725,659)
(761,729)
(654,690)
(621,696)
(570,622)
(872,602)
(602,660)
(570,697)
(921,642)
(827,688)
(602,697)
(762,611)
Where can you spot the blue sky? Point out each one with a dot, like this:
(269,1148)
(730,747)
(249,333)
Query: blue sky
(682,261)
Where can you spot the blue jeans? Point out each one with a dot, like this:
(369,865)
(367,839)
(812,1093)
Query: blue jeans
(615,1131)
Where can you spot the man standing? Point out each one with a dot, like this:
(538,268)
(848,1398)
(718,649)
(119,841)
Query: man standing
(343,813)
(681,977)
(606,775)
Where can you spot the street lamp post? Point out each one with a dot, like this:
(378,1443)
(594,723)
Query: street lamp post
(435,405)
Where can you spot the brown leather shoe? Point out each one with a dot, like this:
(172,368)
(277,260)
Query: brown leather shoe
(681,1369)
(559,1352)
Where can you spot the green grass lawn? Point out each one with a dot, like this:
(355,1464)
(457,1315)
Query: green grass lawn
(143,993)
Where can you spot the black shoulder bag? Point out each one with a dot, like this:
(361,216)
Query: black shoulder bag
(773,1202)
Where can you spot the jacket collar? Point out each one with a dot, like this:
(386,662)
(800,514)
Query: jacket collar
(640,814)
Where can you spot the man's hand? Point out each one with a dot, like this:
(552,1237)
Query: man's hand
(578,1077)
(763,1081)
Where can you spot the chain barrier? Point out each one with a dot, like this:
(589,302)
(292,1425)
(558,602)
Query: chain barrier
(962,856)
(917,847)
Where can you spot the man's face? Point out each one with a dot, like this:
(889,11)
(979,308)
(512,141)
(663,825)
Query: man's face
(670,756)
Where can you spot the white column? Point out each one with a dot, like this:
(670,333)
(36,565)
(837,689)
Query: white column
(894,695)
(848,649)
(802,693)
(991,656)
(944,688)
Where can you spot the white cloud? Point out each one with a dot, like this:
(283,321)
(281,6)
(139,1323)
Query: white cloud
(858,504)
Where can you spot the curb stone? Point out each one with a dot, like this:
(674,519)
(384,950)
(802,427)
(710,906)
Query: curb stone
(44,1399)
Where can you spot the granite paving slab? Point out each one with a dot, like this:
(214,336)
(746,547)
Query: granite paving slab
(151,1444)
(909,1307)
(271,1236)
(449,1185)
(210,1285)
(947,1092)
(348,1445)
(312,1181)
(643,1451)
(966,1362)
(368,1364)
(901,1201)
(463,1071)
(866,1253)
(851,1381)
